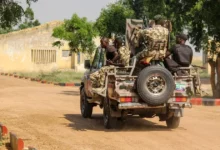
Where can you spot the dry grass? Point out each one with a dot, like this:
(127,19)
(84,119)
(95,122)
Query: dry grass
(55,76)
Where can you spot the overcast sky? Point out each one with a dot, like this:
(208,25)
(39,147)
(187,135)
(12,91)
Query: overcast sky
(50,10)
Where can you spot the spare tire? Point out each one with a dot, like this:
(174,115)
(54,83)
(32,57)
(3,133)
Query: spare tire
(155,85)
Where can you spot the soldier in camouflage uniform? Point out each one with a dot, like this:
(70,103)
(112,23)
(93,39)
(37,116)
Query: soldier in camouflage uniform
(98,78)
(213,50)
(124,53)
(213,56)
(155,40)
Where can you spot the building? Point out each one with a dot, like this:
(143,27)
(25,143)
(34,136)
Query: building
(31,50)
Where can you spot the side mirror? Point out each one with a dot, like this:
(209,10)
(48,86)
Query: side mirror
(87,64)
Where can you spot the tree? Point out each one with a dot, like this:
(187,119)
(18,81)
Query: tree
(6,30)
(205,26)
(78,32)
(174,10)
(29,21)
(11,13)
(113,19)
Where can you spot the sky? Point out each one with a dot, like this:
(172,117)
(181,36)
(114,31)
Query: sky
(51,10)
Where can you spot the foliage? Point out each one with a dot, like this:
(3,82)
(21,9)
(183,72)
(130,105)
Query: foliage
(11,13)
(200,17)
(112,19)
(6,30)
(29,21)
(78,32)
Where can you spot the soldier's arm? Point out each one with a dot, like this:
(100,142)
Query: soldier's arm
(116,56)
(116,64)
(170,51)
(191,54)
(114,51)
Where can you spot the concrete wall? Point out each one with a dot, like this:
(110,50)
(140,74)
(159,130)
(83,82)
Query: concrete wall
(16,47)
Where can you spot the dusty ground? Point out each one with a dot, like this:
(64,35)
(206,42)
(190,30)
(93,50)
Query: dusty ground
(48,118)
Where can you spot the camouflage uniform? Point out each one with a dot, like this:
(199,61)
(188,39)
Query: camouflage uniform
(124,54)
(98,78)
(155,39)
(213,50)
(99,58)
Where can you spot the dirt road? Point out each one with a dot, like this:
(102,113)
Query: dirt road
(48,118)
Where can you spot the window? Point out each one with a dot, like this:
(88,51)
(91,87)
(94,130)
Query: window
(43,56)
(78,58)
(65,53)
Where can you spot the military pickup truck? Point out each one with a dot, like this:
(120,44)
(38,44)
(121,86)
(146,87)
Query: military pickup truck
(152,92)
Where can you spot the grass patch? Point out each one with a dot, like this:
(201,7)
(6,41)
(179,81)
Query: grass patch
(204,74)
(197,62)
(55,76)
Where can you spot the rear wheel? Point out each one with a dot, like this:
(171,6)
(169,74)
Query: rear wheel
(109,121)
(85,106)
(155,85)
(173,122)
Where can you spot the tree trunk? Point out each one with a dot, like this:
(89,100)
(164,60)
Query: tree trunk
(218,77)
(212,77)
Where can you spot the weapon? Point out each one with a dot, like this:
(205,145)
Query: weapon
(146,22)
(198,67)
(169,27)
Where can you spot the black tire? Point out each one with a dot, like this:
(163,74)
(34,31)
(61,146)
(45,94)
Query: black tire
(85,107)
(173,122)
(163,76)
(109,121)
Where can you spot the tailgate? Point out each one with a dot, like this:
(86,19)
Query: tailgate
(183,91)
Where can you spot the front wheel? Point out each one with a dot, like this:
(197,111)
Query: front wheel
(85,106)
(173,122)
(109,121)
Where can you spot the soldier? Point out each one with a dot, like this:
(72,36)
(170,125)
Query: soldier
(111,52)
(122,60)
(124,53)
(182,55)
(154,39)
(182,52)
(97,78)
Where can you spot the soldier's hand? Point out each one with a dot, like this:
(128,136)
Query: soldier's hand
(109,62)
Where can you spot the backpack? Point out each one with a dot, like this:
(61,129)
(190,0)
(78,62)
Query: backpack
(182,54)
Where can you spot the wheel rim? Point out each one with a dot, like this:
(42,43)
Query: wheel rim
(156,84)
(82,102)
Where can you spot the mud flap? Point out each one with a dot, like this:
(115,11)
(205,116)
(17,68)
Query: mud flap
(179,112)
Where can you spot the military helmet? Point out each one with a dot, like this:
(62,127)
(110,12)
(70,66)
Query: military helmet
(120,39)
(159,18)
